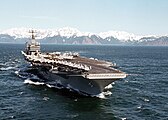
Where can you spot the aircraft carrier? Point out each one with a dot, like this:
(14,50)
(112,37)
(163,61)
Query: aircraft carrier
(85,75)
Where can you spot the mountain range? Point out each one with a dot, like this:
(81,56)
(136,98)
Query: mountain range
(69,35)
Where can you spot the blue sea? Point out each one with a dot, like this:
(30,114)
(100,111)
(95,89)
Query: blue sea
(143,95)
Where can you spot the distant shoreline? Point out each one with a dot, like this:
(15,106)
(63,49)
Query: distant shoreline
(10,43)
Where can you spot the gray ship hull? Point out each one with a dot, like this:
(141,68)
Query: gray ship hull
(77,83)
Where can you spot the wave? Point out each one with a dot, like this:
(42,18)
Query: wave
(103,95)
(146,100)
(2,65)
(109,86)
(28,81)
(6,68)
(134,74)
(46,98)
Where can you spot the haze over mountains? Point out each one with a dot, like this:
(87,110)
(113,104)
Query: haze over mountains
(68,35)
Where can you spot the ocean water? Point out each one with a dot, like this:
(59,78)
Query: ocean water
(143,95)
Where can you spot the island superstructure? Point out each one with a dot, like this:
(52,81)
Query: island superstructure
(85,75)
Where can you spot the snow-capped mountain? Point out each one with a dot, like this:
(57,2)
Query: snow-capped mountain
(69,35)
(121,35)
(42,33)
(68,32)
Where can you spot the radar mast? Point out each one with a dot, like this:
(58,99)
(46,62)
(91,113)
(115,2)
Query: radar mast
(32,35)
(32,46)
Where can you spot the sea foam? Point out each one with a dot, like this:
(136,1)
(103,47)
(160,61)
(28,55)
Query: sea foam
(7,68)
(28,81)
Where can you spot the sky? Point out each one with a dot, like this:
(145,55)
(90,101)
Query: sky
(141,17)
